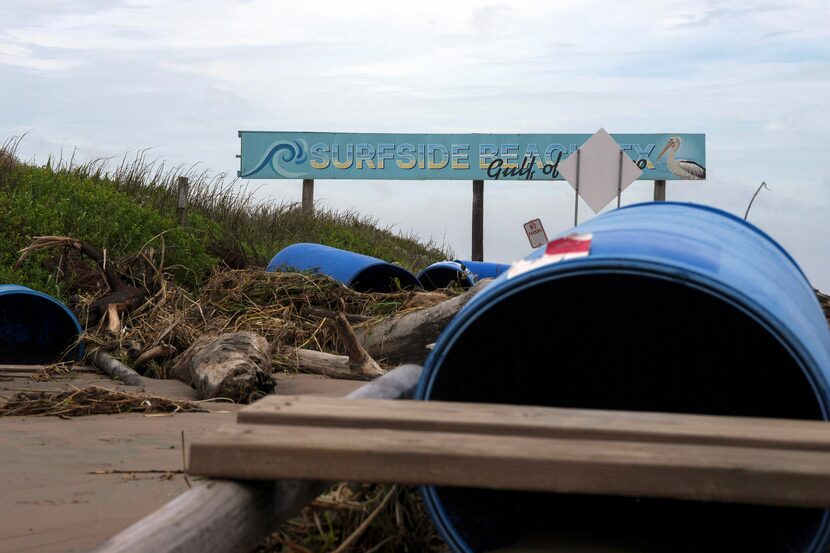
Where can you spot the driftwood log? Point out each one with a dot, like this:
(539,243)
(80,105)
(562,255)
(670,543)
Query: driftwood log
(361,361)
(320,313)
(229,516)
(116,369)
(235,365)
(404,339)
(155,352)
(357,365)
(326,364)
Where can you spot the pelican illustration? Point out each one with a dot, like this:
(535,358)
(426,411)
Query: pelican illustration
(683,168)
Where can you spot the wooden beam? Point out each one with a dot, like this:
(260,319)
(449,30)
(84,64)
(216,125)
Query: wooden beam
(308,196)
(607,467)
(477,252)
(218,516)
(659,191)
(539,422)
(25,369)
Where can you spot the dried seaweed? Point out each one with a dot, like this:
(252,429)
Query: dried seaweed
(824,301)
(55,371)
(359,517)
(92,400)
(281,307)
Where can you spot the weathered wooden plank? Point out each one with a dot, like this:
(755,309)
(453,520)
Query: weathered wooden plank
(35,368)
(654,469)
(540,422)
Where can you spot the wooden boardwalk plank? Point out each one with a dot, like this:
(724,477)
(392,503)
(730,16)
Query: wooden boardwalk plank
(10,369)
(684,471)
(540,422)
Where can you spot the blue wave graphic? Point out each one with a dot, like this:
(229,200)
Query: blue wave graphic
(292,150)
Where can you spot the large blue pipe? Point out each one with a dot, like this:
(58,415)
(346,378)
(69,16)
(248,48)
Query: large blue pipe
(361,272)
(675,308)
(462,273)
(35,328)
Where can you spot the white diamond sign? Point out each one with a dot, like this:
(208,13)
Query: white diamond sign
(600,173)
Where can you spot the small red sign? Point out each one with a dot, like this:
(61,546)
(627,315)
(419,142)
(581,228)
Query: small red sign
(536,233)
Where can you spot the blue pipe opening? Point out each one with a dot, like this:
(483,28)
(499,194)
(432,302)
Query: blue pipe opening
(35,328)
(677,308)
(459,273)
(445,274)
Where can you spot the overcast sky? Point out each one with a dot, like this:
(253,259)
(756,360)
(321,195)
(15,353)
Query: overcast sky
(183,77)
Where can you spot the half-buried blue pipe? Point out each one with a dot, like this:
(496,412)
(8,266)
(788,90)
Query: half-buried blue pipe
(445,274)
(360,272)
(654,307)
(461,273)
(484,269)
(35,328)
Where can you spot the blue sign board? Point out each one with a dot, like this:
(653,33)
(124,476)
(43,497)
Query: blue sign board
(322,155)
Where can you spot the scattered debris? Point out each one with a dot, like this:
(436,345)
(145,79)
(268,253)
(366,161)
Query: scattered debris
(824,301)
(55,371)
(359,517)
(121,298)
(116,369)
(89,401)
(289,310)
(405,337)
(153,353)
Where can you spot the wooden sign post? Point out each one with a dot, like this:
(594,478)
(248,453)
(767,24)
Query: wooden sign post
(477,251)
(308,196)
(659,191)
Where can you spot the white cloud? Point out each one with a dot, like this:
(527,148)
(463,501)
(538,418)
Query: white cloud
(21,56)
(185,76)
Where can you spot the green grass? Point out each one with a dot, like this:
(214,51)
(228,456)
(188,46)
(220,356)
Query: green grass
(133,206)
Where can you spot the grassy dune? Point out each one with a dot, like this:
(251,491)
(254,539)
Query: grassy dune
(131,206)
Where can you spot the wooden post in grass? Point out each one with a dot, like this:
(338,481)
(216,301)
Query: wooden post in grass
(478,221)
(181,208)
(308,196)
(659,191)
